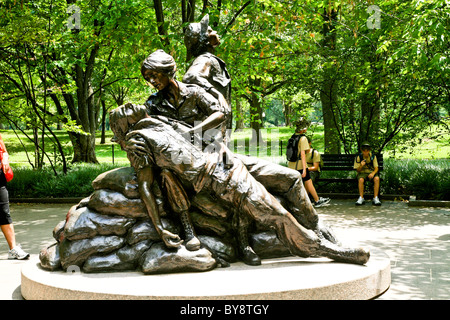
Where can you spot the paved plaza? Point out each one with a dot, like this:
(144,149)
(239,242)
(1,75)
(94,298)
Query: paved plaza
(416,239)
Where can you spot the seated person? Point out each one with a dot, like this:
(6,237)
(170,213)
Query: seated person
(313,159)
(366,166)
(187,103)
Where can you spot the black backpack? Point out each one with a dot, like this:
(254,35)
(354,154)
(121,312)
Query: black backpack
(292,147)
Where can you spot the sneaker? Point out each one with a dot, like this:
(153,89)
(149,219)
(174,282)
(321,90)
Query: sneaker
(376,201)
(360,201)
(321,202)
(17,253)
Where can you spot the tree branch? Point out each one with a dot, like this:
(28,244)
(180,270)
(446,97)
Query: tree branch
(160,21)
(245,5)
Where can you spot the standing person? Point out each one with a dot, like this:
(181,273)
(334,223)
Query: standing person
(366,166)
(300,164)
(313,160)
(6,224)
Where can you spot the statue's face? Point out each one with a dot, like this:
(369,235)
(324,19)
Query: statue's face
(158,80)
(213,37)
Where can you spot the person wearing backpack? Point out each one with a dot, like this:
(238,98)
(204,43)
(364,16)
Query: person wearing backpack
(296,155)
(314,162)
(366,166)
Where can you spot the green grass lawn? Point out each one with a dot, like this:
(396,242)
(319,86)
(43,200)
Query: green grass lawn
(273,143)
(19,157)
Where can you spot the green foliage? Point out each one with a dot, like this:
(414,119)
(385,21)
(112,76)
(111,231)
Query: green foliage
(391,82)
(19,157)
(29,183)
(426,179)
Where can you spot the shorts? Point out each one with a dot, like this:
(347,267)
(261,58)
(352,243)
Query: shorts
(307,177)
(364,175)
(5,218)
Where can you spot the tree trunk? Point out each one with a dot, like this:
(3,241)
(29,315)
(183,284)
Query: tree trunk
(84,144)
(370,106)
(104,112)
(256,118)
(157,4)
(240,116)
(328,94)
(331,132)
(84,148)
(287,110)
(37,154)
(255,113)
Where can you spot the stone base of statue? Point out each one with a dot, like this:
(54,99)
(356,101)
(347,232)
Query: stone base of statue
(108,248)
(277,278)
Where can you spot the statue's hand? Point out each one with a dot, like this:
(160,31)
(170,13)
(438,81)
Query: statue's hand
(171,240)
(137,146)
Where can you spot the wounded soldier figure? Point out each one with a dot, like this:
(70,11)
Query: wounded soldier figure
(154,146)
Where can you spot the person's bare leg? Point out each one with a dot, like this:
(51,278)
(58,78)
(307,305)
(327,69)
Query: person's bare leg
(311,190)
(361,187)
(10,236)
(376,186)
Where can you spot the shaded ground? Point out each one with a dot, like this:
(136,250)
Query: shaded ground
(417,240)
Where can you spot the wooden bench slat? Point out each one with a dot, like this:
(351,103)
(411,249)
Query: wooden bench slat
(344,162)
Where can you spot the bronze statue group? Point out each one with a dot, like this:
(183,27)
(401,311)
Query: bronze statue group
(178,138)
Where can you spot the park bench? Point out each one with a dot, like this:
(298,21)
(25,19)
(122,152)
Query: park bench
(341,162)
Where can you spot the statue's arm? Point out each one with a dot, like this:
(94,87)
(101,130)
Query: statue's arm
(209,123)
(145,181)
(198,73)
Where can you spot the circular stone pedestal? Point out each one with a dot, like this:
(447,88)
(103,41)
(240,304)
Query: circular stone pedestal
(280,278)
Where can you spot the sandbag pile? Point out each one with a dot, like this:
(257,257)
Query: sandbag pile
(111,231)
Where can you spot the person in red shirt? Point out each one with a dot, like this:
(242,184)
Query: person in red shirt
(6,225)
